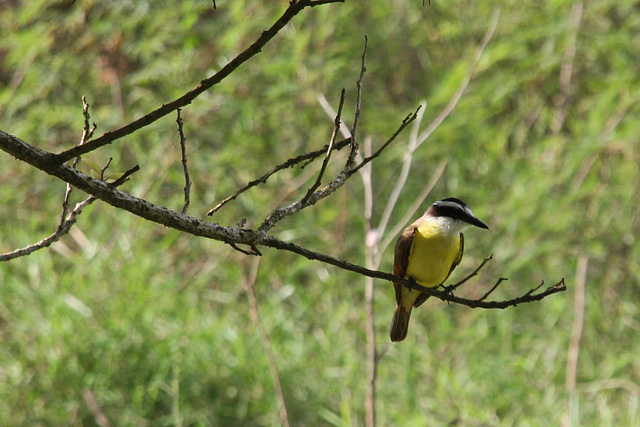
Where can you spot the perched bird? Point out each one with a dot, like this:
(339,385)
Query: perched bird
(428,251)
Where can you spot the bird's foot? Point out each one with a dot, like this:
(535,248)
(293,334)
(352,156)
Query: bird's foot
(413,285)
(448,289)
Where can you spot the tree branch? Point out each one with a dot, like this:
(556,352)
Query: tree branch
(325,162)
(67,221)
(107,192)
(185,166)
(307,157)
(295,7)
(338,182)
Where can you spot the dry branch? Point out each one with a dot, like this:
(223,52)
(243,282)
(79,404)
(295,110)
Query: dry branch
(48,163)
(325,162)
(295,7)
(185,166)
(307,157)
(55,165)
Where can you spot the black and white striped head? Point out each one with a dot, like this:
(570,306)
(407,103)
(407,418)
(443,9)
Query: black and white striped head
(455,209)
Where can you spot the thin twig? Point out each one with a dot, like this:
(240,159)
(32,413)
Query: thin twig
(87,132)
(289,163)
(356,116)
(294,8)
(473,273)
(332,142)
(125,176)
(104,169)
(254,250)
(46,162)
(324,192)
(406,122)
(531,291)
(479,303)
(63,227)
(185,167)
(500,280)
(344,129)
(249,282)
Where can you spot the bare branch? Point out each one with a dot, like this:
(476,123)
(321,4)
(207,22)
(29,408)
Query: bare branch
(338,182)
(109,193)
(407,120)
(473,273)
(66,222)
(400,182)
(104,169)
(307,157)
(294,8)
(185,167)
(356,116)
(344,129)
(500,280)
(125,176)
(254,250)
(530,296)
(87,132)
(62,229)
(325,162)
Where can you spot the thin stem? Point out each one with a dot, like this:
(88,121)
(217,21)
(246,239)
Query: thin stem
(325,162)
(266,341)
(185,166)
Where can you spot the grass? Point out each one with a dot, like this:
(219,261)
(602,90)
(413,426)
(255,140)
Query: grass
(154,326)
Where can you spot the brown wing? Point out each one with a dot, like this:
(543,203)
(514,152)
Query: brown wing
(401,258)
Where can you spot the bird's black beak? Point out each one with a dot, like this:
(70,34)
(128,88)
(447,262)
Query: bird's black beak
(471,219)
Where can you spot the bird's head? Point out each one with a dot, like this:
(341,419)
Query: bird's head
(456,212)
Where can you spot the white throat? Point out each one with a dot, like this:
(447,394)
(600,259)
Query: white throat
(449,226)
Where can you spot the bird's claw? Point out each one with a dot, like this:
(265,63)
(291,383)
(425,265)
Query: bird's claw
(448,289)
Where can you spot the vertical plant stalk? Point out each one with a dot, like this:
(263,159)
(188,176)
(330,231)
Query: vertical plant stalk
(371,248)
(576,335)
(266,342)
(92,403)
(563,102)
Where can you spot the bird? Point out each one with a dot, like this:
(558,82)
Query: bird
(427,252)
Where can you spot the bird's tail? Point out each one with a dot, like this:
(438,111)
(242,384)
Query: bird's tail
(400,323)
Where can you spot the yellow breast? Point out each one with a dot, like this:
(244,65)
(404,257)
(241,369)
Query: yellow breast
(432,254)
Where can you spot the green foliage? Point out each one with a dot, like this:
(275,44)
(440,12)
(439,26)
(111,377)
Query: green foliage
(156,324)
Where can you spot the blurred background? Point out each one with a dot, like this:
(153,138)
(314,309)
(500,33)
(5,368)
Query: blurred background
(155,326)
